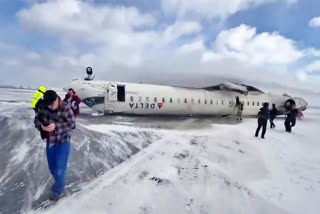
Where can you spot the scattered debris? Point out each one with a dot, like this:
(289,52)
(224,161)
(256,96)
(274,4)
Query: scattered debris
(181,155)
(159,180)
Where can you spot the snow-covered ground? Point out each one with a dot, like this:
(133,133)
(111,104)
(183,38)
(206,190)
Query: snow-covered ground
(222,169)
(126,166)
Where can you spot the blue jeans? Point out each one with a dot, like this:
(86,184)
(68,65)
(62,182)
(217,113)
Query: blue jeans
(57,157)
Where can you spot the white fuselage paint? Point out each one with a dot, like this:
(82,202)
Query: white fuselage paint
(147,99)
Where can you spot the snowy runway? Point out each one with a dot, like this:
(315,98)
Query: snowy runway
(154,165)
(222,169)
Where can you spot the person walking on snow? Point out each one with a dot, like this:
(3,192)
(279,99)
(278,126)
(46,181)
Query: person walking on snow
(73,100)
(290,119)
(273,115)
(263,117)
(57,119)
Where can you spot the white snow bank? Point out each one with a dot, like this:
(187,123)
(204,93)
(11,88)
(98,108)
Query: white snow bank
(224,169)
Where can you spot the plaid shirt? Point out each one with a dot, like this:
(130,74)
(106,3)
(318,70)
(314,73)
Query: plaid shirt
(63,118)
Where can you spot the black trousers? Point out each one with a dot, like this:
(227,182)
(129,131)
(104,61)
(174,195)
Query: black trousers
(272,125)
(287,124)
(261,123)
(293,122)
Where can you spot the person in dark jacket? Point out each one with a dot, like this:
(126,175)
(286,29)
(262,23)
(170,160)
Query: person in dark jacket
(287,121)
(263,117)
(57,119)
(73,100)
(290,121)
(273,115)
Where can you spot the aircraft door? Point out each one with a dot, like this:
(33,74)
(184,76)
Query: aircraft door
(231,103)
(113,92)
(121,95)
(237,100)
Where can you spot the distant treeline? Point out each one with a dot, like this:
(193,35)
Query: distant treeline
(15,87)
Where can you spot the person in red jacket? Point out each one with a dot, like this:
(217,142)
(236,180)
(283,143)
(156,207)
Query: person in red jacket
(73,100)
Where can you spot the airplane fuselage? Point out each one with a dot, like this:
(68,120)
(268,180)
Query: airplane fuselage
(146,99)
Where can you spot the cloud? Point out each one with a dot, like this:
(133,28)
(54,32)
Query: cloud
(312,52)
(315,22)
(310,74)
(313,68)
(242,43)
(180,66)
(179,29)
(147,50)
(72,19)
(84,22)
(119,34)
(211,8)
(22,66)
(197,45)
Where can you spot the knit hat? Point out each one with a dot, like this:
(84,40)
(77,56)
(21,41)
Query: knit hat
(49,97)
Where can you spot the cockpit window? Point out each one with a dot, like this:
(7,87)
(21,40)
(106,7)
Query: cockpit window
(91,101)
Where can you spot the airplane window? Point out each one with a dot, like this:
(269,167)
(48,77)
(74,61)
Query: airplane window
(217,102)
(163,100)
(252,103)
(185,100)
(170,100)
(257,103)
(248,103)
(140,99)
(230,103)
(199,101)
(155,99)
(147,99)
(91,101)
(131,98)
(205,101)
(192,101)
(222,102)
(178,100)
(211,102)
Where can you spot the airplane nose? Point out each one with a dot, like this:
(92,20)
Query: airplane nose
(304,104)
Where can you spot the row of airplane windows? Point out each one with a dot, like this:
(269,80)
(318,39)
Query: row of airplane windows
(185,100)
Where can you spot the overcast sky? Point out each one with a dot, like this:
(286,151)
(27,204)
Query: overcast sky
(268,43)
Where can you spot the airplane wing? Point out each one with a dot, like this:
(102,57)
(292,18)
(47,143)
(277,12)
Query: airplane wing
(229,86)
(234,87)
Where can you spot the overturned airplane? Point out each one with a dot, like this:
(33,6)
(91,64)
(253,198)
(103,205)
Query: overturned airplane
(146,99)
